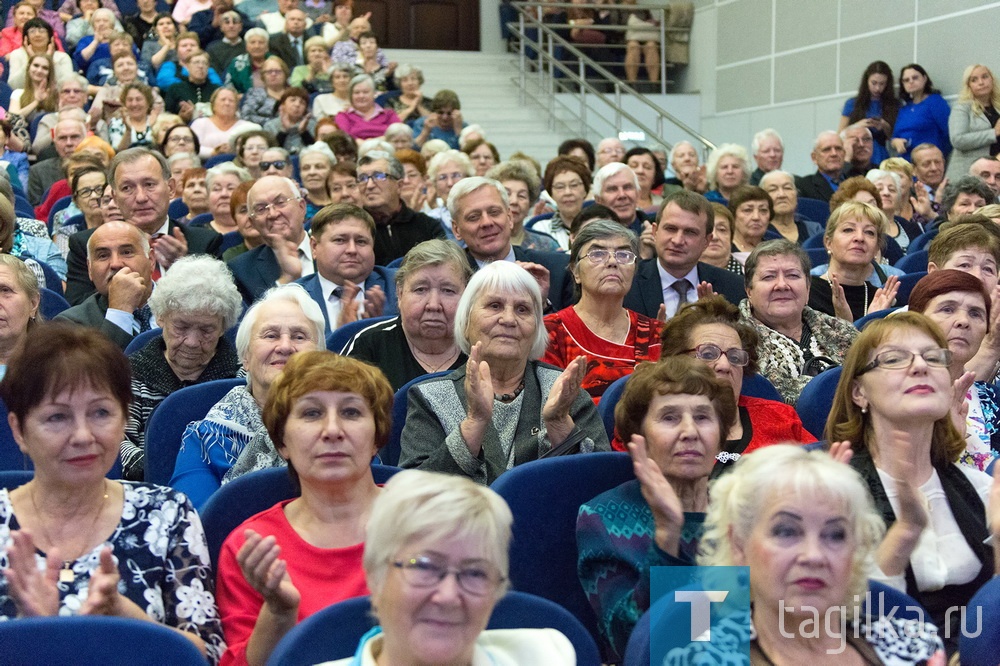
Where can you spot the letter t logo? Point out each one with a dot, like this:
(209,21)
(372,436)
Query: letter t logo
(701,614)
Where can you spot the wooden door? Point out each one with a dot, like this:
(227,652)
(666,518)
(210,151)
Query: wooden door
(424,24)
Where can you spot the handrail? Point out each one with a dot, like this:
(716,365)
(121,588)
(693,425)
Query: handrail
(527,18)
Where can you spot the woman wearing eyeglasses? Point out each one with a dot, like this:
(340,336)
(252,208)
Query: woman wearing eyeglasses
(896,403)
(710,330)
(611,337)
(180,139)
(88,184)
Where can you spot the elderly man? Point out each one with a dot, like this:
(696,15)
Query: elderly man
(347,284)
(223,51)
(780,186)
(277,22)
(397,227)
(276,162)
(675,276)
(616,186)
(120,264)
(987,169)
(859,146)
(72,98)
(289,44)
(277,208)
(928,167)
(768,152)
(142,185)
(207,23)
(481,218)
(828,156)
(688,173)
(66,135)
(609,150)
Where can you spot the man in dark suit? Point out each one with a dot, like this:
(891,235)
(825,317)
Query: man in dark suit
(681,233)
(121,266)
(828,156)
(347,285)
(290,45)
(481,218)
(66,136)
(277,208)
(859,146)
(140,179)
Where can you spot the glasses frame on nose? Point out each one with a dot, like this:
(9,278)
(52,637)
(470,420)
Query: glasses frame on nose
(86,192)
(422,571)
(277,164)
(940,358)
(599,255)
(378,176)
(260,210)
(709,353)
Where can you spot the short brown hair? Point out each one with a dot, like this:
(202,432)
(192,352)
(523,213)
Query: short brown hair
(945,281)
(191,174)
(846,420)
(690,202)
(239,196)
(745,193)
(60,357)
(565,163)
(850,188)
(338,212)
(410,156)
(676,333)
(294,91)
(674,375)
(966,232)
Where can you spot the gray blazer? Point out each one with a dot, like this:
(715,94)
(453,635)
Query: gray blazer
(971,135)
(431,439)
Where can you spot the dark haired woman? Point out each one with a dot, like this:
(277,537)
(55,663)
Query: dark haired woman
(923,117)
(876,106)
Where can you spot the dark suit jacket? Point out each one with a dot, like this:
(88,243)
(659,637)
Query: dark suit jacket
(381,277)
(43,176)
(646,294)
(814,186)
(255,271)
(200,240)
(281,46)
(560,278)
(91,313)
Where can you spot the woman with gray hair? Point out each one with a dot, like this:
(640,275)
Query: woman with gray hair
(194,303)
(283,322)
(400,135)
(332,103)
(410,104)
(421,339)
(728,167)
(222,180)
(18,305)
(315,164)
(612,338)
(443,171)
(424,526)
(364,119)
(504,407)
(891,192)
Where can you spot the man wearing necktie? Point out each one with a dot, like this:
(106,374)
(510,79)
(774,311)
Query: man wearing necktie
(289,45)
(120,266)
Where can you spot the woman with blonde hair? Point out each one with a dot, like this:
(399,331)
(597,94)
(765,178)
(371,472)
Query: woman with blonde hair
(974,123)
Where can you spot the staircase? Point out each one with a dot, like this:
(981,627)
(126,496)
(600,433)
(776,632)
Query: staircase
(489,98)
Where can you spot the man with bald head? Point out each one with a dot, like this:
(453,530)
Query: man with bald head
(278,210)
(66,135)
(609,150)
(987,169)
(120,264)
(828,156)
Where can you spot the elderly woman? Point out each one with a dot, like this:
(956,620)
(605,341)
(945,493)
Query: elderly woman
(260,103)
(896,404)
(329,104)
(612,338)
(567,182)
(112,213)
(131,550)
(181,162)
(648,171)
(797,342)
(854,235)
(133,125)
(283,322)
(413,186)
(97,45)
(960,305)
(780,186)
(523,187)
(19,299)
(250,147)
(411,103)
(315,165)
(483,155)
(752,211)
(719,252)
(503,408)
(39,39)
(87,184)
(180,139)
(293,127)
(974,123)
(222,181)
(215,132)
(246,71)
(727,168)
(194,193)
(240,211)
(804,525)
(710,329)
(12,38)
(429,284)
(304,554)
(424,526)
(364,119)
(160,45)
(195,302)
(915,203)
(443,171)
(400,135)
(314,75)
(891,192)
(673,414)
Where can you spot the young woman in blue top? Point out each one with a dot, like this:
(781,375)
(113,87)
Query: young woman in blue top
(923,117)
(876,105)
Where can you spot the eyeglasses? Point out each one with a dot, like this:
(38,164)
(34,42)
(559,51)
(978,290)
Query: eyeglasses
(231,20)
(181,139)
(902,359)
(259,210)
(377,176)
(562,187)
(601,256)
(271,71)
(428,571)
(85,192)
(709,352)
(450,177)
(277,164)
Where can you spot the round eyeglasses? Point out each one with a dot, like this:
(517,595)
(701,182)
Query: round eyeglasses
(601,256)
(709,352)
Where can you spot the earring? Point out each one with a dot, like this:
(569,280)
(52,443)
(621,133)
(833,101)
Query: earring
(864,410)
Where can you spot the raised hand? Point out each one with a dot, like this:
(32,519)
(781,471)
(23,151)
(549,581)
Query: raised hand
(102,594)
(479,400)
(704,290)
(374,302)
(840,307)
(34,591)
(259,561)
(841,451)
(960,402)
(647,242)
(565,390)
(920,200)
(885,295)
(668,514)
(541,275)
